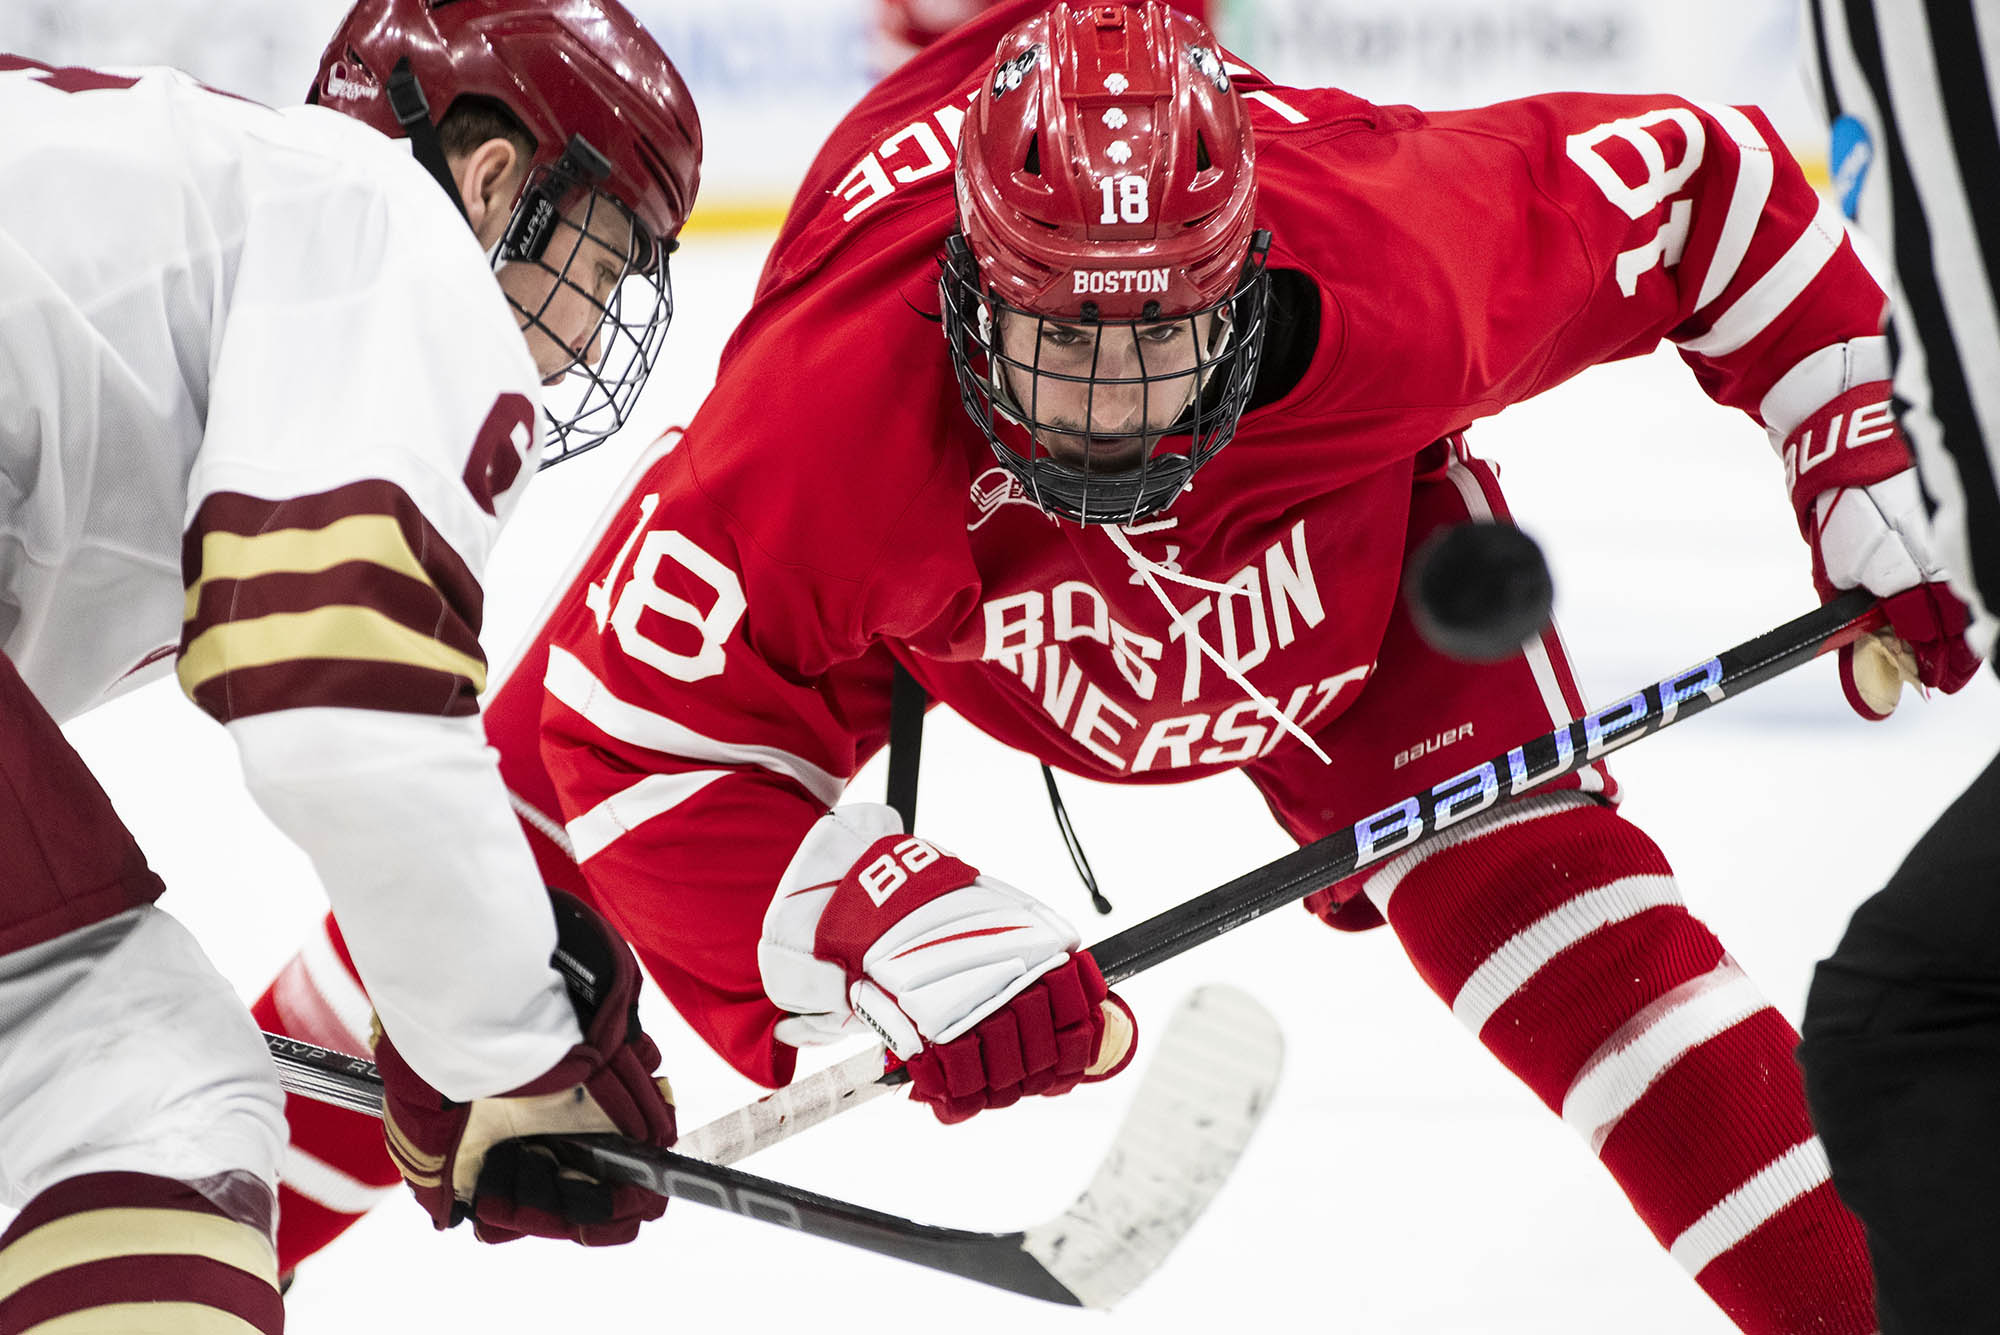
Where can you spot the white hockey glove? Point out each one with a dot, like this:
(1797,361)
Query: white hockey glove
(977,987)
(1858,503)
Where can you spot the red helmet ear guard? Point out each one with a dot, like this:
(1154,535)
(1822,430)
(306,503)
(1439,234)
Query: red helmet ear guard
(562,67)
(1107,194)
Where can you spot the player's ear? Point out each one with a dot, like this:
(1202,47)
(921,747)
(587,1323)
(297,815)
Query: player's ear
(489,180)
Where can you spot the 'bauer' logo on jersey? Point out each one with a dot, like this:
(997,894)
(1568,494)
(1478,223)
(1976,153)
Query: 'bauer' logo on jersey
(1091,282)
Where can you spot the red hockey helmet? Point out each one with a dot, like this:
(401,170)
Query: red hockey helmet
(611,119)
(1106,195)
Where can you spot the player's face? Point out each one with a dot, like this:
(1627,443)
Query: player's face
(1099,397)
(562,299)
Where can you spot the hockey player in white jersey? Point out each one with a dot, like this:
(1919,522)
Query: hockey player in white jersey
(263,409)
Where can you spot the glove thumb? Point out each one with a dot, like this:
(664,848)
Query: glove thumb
(1120,1040)
(1872,672)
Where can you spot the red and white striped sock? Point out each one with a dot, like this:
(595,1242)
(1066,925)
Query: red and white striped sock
(336,1167)
(135,1253)
(1554,929)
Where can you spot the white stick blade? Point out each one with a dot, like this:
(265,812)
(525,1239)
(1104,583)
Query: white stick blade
(1208,1084)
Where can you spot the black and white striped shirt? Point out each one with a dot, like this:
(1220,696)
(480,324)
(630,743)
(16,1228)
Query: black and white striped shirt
(1910,88)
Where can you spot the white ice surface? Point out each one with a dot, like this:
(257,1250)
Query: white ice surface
(1403,1182)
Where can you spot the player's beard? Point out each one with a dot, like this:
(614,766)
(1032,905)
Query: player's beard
(1068,444)
(1072,443)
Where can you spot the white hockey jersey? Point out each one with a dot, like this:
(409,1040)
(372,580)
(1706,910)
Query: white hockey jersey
(262,412)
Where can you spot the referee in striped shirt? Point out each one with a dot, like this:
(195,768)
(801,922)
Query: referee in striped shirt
(1901,1042)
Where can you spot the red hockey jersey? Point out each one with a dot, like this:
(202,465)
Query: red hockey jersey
(721,665)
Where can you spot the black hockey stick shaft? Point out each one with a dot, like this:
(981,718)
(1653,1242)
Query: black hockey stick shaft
(995,1259)
(1195,1107)
(1336,856)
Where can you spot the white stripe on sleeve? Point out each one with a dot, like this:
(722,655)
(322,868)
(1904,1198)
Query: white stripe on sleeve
(1746,202)
(569,681)
(1750,314)
(625,810)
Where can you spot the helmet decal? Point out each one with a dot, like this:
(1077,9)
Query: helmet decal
(346,81)
(1008,77)
(1209,67)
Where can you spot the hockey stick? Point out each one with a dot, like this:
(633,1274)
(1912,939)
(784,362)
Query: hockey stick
(1203,1093)
(814,1099)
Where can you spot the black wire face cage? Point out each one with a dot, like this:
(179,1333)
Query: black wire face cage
(1025,390)
(600,259)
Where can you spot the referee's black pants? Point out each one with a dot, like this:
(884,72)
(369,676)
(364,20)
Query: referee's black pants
(1901,1053)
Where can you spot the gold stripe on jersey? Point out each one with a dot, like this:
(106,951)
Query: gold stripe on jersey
(374,538)
(423,1170)
(342,633)
(99,1235)
(152,1318)
(347,598)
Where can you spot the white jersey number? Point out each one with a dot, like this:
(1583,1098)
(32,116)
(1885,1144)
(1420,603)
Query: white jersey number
(1661,181)
(642,593)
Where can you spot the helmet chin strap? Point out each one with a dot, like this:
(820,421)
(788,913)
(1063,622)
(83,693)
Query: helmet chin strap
(413,112)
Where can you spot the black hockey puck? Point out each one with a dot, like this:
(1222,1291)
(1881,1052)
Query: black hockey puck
(1479,591)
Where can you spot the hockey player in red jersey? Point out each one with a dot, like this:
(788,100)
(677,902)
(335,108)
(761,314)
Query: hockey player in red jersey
(1165,369)
(262,429)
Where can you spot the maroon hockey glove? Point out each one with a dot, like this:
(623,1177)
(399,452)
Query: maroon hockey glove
(1858,503)
(1066,1029)
(465,1159)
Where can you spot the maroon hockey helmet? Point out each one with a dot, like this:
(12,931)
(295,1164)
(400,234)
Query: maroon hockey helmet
(611,121)
(1106,192)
